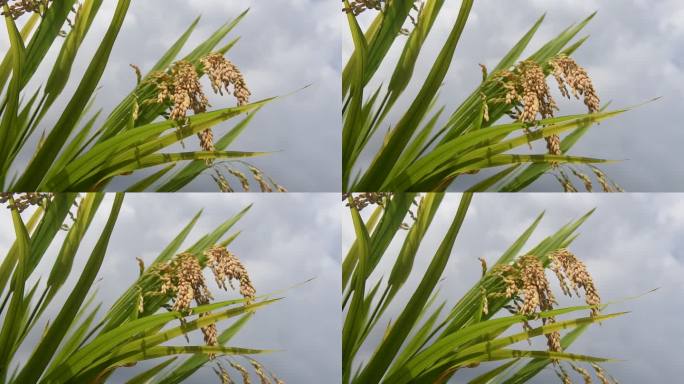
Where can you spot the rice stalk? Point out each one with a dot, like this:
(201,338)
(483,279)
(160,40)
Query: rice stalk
(81,151)
(431,341)
(81,342)
(426,150)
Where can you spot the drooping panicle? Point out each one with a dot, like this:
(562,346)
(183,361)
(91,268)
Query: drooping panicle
(188,93)
(17,8)
(224,74)
(357,7)
(525,86)
(24,200)
(525,282)
(570,74)
(568,267)
(227,267)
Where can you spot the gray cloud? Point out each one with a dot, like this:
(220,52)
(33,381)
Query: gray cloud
(631,244)
(634,54)
(285,240)
(285,45)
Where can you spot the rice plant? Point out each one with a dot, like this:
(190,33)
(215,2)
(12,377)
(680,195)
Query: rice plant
(428,341)
(511,108)
(170,299)
(83,150)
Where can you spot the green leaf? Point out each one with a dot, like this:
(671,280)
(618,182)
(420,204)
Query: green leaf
(112,350)
(382,358)
(445,159)
(10,113)
(138,142)
(148,181)
(451,346)
(47,153)
(165,158)
(407,62)
(11,323)
(6,65)
(61,70)
(164,351)
(405,128)
(487,377)
(354,323)
(54,335)
(145,376)
(62,266)
(353,123)
(192,364)
(191,170)
(535,366)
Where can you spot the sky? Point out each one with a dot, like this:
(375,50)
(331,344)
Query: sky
(285,240)
(634,54)
(285,46)
(631,245)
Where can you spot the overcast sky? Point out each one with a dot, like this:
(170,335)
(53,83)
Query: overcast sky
(634,54)
(285,45)
(631,245)
(285,240)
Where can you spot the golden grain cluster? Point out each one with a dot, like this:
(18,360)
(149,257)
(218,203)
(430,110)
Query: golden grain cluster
(181,89)
(525,282)
(526,87)
(17,8)
(227,267)
(182,279)
(362,200)
(264,376)
(21,201)
(359,6)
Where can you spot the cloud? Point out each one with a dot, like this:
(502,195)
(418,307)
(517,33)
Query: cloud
(631,244)
(285,240)
(634,54)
